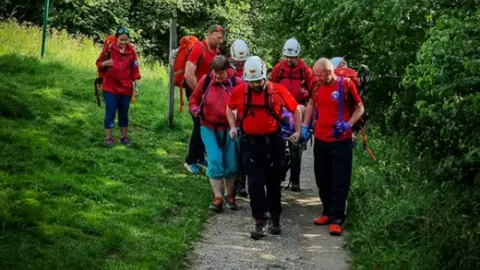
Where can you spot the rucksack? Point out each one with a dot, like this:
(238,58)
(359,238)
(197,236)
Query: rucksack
(361,80)
(206,88)
(248,111)
(180,57)
(301,78)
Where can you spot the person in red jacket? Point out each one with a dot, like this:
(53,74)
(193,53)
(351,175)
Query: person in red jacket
(209,102)
(198,64)
(297,77)
(339,107)
(259,106)
(121,71)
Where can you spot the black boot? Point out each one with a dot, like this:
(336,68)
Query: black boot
(274,226)
(260,229)
(295,185)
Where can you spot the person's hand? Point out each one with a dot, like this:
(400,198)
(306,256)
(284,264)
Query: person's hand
(107,63)
(339,128)
(305,133)
(195,111)
(233,133)
(137,90)
(295,137)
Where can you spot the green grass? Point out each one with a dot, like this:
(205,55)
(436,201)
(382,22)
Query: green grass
(66,200)
(402,218)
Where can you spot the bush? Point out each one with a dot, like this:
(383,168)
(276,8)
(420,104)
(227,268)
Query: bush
(440,107)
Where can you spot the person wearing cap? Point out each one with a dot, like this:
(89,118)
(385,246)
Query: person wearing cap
(198,64)
(332,150)
(297,77)
(259,106)
(120,68)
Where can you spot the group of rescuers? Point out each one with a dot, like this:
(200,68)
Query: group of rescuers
(237,124)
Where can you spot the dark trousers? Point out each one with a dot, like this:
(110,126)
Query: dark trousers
(333,171)
(196,148)
(296,152)
(262,158)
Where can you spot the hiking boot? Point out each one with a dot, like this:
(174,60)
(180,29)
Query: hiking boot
(217,205)
(203,164)
(335,230)
(193,168)
(323,220)
(295,185)
(231,204)
(109,141)
(274,227)
(125,141)
(260,229)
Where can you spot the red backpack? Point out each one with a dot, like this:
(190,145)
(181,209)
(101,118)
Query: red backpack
(180,57)
(215,114)
(300,94)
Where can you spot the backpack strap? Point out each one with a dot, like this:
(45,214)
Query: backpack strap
(205,89)
(340,99)
(203,48)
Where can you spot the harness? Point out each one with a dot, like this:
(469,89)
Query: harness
(267,105)
(221,139)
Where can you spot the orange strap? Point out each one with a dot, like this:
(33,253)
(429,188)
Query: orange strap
(365,147)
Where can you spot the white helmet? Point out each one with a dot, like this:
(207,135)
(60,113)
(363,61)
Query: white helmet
(291,48)
(239,50)
(254,69)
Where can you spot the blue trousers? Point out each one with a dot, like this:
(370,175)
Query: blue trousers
(222,161)
(114,103)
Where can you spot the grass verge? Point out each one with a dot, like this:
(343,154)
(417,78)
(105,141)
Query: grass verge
(68,202)
(402,218)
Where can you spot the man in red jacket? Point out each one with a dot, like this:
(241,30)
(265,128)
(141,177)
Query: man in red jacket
(297,77)
(198,64)
(119,64)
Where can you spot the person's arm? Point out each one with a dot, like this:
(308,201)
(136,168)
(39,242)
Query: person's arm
(232,106)
(274,74)
(191,65)
(135,67)
(196,97)
(308,113)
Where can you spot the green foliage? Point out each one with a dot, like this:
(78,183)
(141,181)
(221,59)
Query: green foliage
(401,218)
(440,107)
(68,202)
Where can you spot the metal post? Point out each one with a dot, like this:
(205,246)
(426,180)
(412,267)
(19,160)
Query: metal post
(45,22)
(171,87)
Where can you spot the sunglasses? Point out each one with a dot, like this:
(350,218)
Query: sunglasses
(122,31)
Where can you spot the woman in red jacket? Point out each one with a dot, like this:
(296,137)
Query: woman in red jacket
(120,66)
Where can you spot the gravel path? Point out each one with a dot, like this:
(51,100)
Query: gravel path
(226,242)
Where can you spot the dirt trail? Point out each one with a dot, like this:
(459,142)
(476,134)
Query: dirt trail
(226,242)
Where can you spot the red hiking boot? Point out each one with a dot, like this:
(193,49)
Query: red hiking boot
(323,220)
(335,230)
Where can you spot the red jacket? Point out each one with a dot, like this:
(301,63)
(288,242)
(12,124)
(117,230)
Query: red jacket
(213,100)
(297,79)
(118,79)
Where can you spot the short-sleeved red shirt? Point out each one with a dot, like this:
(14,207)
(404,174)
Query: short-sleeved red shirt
(326,100)
(261,123)
(203,67)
